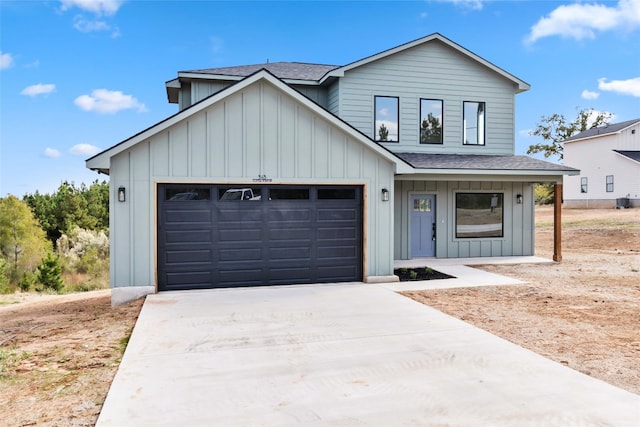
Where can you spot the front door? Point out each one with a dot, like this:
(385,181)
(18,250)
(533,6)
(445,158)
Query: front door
(423,225)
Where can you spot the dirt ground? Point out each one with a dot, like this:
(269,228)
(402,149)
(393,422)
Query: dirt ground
(583,312)
(58,354)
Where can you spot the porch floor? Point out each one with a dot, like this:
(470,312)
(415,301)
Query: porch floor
(464,275)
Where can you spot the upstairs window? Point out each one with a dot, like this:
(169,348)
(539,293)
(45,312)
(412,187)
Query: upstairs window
(430,121)
(609,183)
(584,184)
(474,122)
(386,127)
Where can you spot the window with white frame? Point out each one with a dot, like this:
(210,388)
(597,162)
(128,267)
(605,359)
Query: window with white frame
(609,183)
(386,128)
(473,122)
(584,184)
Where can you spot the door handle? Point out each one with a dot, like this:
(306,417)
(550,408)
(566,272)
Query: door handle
(433,231)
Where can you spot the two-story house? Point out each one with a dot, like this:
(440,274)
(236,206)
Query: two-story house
(609,161)
(285,173)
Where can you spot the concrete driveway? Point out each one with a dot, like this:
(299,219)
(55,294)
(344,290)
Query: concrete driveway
(347,354)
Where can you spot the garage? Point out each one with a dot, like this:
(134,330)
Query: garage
(226,235)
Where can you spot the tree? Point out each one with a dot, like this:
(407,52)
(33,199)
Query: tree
(50,273)
(430,130)
(22,241)
(383,133)
(554,129)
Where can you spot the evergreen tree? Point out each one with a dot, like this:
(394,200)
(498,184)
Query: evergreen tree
(383,133)
(50,273)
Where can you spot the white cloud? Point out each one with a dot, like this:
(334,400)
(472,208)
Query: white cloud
(84,150)
(587,94)
(39,89)
(6,60)
(51,153)
(99,7)
(468,4)
(625,87)
(108,102)
(91,26)
(525,132)
(581,21)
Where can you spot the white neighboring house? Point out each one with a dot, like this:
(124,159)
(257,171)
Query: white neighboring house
(609,161)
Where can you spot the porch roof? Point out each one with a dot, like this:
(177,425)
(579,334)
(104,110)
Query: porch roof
(466,163)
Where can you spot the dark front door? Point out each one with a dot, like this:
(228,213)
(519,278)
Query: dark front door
(232,235)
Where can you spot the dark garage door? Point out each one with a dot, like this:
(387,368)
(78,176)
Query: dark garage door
(212,236)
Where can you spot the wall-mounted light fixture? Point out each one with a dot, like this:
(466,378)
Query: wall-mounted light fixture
(122,196)
(519,199)
(385,195)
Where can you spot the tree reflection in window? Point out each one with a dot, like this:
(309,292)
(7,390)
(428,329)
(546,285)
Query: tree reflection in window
(479,215)
(430,121)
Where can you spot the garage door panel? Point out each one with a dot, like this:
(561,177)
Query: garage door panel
(248,254)
(189,236)
(249,234)
(337,215)
(304,234)
(290,253)
(190,278)
(189,256)
(187,217)
(300,235)
(336,233)
(333,252)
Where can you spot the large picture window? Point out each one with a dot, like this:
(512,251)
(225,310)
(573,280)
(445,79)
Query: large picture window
(474,122)
(430,121)
(479,215)
(386,118)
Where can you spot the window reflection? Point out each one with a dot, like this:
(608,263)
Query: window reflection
(479,215)
(187,193)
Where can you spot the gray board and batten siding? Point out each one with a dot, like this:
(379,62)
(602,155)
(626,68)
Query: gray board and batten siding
(259,127)
(518,219)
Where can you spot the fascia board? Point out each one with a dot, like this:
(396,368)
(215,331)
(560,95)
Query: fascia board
(501,173)
(486,177)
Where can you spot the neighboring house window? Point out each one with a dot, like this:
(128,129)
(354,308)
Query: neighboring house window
(474,122)
(584,184)
(479,215)
(386,118)
(430,121)
(609,183)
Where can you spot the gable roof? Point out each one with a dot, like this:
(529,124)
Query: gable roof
(282,70)
(520,84)
(630,154)
(603,130)
(474,163)
(307,73)
(101,161)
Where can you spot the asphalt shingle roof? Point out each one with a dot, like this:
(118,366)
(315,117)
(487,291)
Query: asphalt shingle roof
(282,70)
(602,130)
(479,162)
(633,155)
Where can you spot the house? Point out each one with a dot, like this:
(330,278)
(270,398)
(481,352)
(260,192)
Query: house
(609,161)
(404,154)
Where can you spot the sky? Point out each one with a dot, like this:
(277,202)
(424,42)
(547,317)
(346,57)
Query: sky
(79,76)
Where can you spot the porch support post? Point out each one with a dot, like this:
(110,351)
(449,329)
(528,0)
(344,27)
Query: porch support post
(557,222)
